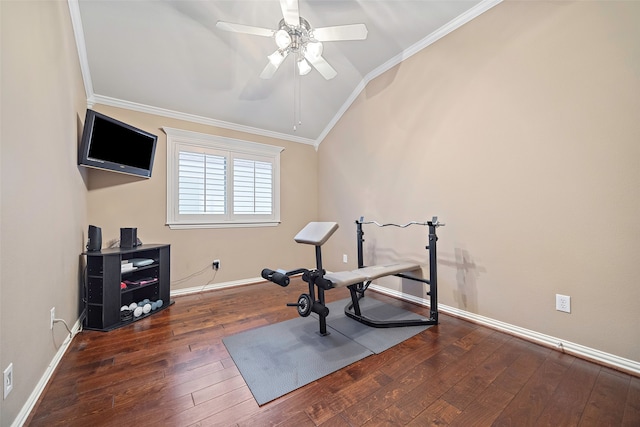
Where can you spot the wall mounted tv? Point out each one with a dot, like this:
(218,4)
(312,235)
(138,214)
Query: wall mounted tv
(112,145)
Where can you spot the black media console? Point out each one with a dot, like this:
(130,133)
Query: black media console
(109,287)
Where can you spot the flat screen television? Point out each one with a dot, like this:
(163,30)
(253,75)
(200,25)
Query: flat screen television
(110,144)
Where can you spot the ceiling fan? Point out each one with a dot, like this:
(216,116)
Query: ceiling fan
(295,36)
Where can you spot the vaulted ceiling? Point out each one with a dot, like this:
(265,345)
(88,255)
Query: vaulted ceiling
(169,58)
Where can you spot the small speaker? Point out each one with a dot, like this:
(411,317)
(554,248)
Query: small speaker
(94,242)
(128,237)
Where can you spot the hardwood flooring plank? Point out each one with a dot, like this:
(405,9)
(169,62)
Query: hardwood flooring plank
(209,356)
(72,409)
(203,382)
(607,400)
(300,419)
(532,399)
(211,407)
(144,412)
(471,386)
(567,404)
(349,394)
(484,409)
(336,421)
(631,415)
(217,389)
(227,417)
(439,412)
(516,376)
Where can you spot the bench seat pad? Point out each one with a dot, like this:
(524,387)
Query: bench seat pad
(365,274)
(316,233)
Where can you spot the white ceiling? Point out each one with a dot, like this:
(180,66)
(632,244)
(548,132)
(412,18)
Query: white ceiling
(168,57)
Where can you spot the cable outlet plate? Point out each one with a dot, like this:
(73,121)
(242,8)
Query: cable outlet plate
(53,317)
(8,380)
(563,303)
(344,258)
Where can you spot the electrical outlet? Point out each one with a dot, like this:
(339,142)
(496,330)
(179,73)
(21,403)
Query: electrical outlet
(53,317)
(344,258)
(563,303)
(8,380)
(216,264)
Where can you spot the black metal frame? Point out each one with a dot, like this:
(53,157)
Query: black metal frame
(315,279)
(357,290)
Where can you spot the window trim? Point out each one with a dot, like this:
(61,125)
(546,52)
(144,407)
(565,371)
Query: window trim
(177,138)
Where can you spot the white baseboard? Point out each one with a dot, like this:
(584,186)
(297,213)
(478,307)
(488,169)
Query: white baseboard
(23,415)
(213,286)
(607,359)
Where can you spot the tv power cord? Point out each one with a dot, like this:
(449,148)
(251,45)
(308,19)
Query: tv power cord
(197,273)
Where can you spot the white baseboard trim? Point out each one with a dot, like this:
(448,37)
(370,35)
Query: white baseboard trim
(213,286)
(607,359)
(24,413)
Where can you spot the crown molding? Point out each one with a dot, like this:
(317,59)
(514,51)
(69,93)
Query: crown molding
(134,106)
(78,32)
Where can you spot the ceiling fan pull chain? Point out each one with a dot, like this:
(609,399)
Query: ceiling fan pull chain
(297,104)
(299,95)
(295,97)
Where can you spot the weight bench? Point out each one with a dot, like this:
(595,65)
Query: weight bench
(358,280)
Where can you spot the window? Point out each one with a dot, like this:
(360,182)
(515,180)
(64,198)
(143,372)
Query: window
(214,181)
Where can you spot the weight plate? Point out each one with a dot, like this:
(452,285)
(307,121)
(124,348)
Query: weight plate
(304,305)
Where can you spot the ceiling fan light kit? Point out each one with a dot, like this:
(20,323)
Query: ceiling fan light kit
(276,58)
(294,35)
(283,39)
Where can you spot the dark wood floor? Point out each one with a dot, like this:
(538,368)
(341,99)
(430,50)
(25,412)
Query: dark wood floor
(172,369)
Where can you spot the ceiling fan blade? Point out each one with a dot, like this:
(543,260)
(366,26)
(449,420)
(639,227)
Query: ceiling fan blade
(290,12)
(246,29)
(268,71)
(323,67)
(341,32)
(275,59)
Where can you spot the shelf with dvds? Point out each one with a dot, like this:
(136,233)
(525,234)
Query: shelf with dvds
(120,277)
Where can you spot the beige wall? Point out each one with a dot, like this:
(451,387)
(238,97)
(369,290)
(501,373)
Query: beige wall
(521,131)
(43,193)
(117,200)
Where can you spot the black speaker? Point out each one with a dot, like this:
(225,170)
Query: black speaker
(94,242)
(128,237)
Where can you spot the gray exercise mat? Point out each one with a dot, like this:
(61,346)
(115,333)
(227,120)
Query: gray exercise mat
(280,358)
(277,359)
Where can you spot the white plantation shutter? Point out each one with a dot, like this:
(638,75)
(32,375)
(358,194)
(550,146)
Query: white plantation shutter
(252,187)
(201,183)
(221,182)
